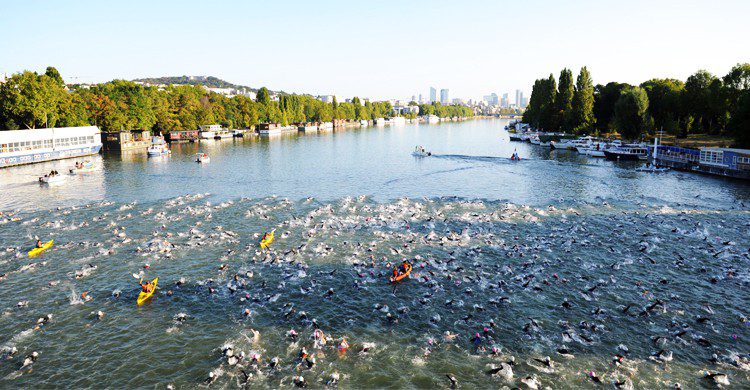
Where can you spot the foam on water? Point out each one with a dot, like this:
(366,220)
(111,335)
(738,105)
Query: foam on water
(628,271)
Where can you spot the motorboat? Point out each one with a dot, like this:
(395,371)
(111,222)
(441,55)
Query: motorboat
(572,144)
(627,152)
(202,158)
(420,151)
(221,134)
(84,167)
(158,147)
(55,178)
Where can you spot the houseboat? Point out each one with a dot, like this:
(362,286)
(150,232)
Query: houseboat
(209,131)
(182,136)
(269,129)
(19,147)
(307,127)
(126,140)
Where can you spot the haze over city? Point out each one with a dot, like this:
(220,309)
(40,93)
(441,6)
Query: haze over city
(396,50)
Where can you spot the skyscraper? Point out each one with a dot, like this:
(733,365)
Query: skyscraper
(420,99)
(433,95)
(523,101)
(518,98)
(444,98)
(491,99)
(504,102)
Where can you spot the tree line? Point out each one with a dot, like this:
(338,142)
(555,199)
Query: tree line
(30,100)
(704,103)
(443,111)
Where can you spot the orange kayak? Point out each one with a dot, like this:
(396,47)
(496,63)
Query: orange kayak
(403,275)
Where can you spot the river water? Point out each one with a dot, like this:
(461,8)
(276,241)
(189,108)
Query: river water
(557,255)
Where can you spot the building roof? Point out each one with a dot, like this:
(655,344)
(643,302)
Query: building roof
(735,150)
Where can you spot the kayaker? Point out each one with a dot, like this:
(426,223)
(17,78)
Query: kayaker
(146,287)
(39,244)
(266,236)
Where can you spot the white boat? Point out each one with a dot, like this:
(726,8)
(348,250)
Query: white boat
(85,167)
(207,134)
(158,147)
(202,158)
(18,147)
(54,179)
(223,134)
(420,151)
(572,144)
(627,152)
(433,119)
(397,121)
(363,122)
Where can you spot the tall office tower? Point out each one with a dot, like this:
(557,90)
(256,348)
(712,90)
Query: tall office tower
(518,98)
(521,104)
(433,95)
(420,99)
(504,102)
(444,98)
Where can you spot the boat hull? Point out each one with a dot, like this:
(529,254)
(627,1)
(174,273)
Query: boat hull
(48,156)
(617,156)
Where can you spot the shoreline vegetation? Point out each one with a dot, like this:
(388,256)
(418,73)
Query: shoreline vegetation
(705,108)
(29,100)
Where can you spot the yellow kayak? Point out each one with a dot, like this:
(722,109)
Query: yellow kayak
(144,296)
(266,242)
(44,247)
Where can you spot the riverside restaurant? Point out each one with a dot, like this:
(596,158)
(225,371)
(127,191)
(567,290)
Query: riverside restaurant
(18,147)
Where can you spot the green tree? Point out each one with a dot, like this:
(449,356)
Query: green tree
(697,99)
(30,100)
(740,121)
(605,97)
(583,119)
(52,73)
(664,103)
(547,109)
(631,113)
(564,101)
(263,97)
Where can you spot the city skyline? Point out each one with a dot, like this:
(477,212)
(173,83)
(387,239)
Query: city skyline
(96,42)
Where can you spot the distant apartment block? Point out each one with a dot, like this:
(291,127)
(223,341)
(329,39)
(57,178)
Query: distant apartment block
(444,97)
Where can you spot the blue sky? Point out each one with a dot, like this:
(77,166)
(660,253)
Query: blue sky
(375,49)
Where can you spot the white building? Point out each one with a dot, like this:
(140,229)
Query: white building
(403,110)
(444,96)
